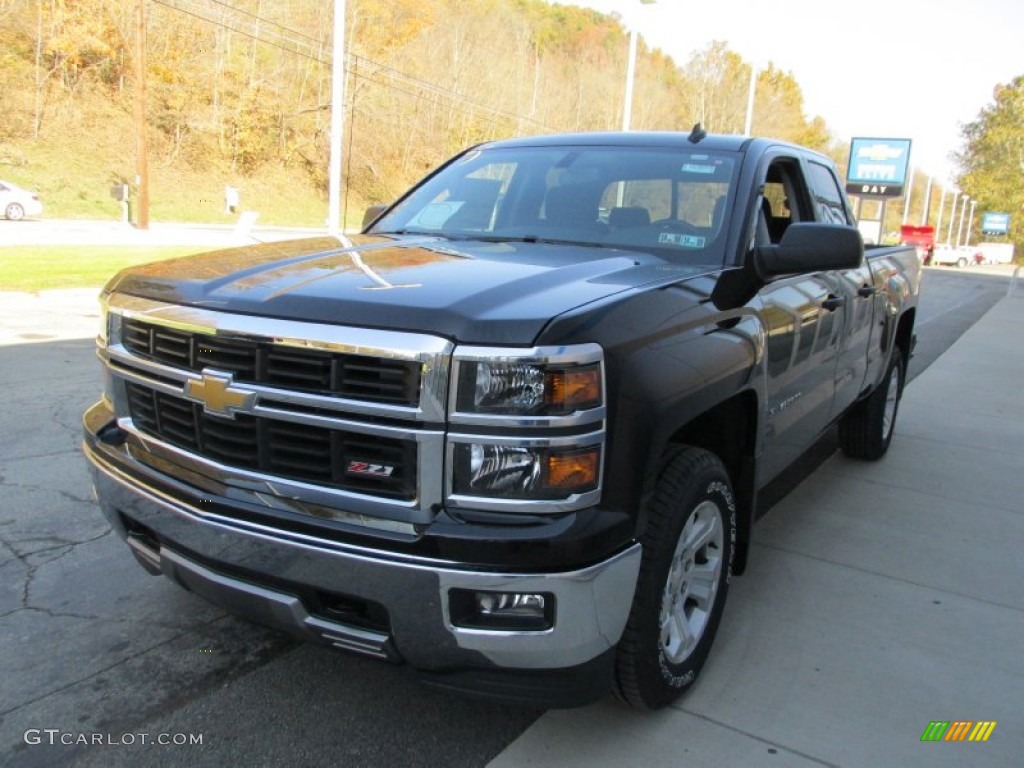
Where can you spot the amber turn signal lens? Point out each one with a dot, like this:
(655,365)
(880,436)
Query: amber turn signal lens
(575,388)
(575,471)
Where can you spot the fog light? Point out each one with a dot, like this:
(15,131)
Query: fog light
(509,604)
(522,611)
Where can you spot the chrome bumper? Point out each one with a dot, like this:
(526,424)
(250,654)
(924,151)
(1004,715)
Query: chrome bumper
(592,604)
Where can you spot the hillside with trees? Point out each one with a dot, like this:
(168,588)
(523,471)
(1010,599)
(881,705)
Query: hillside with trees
(239,93)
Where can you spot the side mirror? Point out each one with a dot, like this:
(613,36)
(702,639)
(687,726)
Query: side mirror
(810,247)
(372,214)
(805,248)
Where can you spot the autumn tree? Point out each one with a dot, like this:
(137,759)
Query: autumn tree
(991,163)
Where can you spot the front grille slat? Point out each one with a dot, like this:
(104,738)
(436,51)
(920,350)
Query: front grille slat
(358,377)
(284,449)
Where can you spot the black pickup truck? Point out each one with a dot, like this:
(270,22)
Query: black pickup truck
(512,435)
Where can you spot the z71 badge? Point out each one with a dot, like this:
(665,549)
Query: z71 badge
(373,470)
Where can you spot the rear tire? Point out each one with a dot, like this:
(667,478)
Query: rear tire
(688,548)
(865,431)
(14,212)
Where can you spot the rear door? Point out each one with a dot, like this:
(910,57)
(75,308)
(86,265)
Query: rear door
(854,288)
(804,327)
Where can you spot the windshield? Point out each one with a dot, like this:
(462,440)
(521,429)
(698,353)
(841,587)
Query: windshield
(663,200)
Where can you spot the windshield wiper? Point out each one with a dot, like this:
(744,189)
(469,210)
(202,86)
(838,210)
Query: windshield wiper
(406,232)
(537,239)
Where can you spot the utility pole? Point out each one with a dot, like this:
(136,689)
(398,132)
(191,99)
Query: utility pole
(334,224)
(627,103)
(748,124)
(927,202)
(938,224)
(906,198)
(141,160)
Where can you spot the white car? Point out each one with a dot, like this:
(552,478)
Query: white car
(17,203)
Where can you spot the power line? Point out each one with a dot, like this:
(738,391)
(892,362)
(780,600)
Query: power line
(264,20)
(395,73)
(173,5)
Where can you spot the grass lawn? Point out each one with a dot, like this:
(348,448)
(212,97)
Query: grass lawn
(40,267)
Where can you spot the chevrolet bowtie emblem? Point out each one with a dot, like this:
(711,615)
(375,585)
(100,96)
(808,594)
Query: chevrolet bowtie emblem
(217,395)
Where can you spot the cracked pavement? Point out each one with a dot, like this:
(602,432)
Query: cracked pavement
(89,642)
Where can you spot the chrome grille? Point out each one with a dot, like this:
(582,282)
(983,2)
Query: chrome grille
(285,449)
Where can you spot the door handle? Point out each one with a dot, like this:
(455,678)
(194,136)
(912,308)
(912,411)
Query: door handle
(832,303)
(866,290)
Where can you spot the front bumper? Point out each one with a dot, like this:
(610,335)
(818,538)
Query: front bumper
(268,575)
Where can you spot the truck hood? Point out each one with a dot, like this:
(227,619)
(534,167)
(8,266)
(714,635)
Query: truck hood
(470,291)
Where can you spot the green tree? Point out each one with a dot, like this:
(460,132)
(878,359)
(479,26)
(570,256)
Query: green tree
(991,163)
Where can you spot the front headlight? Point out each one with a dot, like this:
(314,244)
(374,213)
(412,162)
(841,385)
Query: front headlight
(541,382)
(521,388)
(524,471)
(526,428)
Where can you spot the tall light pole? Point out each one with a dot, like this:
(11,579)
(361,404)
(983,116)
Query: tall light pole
(627,105)
(970,222)
(952,215)
(938,224)
(748,124)
(963,210)
(906,201)
(141,154)
(927,202)
(334,226)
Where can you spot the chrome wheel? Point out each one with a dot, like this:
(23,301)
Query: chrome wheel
(14,212)
(692,582)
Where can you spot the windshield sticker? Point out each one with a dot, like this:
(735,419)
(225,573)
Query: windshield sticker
(435,215)
(694,168)
(683,241)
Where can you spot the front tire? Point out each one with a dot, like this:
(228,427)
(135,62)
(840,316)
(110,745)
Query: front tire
(865,431)
(688,547)
(14,212)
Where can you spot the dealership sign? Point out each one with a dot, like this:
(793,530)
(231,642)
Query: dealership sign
(878,167)
(995,223)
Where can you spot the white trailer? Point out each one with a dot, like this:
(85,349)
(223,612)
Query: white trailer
(996,253)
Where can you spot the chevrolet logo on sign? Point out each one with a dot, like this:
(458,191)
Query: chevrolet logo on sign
(218,396)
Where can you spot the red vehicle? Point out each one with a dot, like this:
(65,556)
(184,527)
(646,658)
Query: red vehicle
(922,238)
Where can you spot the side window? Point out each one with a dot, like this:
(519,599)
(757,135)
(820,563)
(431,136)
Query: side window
(784,200)
(827,195)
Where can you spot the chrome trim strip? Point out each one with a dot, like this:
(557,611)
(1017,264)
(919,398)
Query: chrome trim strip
(432,352)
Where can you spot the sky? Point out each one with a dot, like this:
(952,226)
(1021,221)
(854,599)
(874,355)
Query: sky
(906,69)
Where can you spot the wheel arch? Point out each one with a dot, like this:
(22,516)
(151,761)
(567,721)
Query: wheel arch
(729,430)
(904,338)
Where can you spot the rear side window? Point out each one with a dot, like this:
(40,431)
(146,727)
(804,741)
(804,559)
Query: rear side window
(827,196)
